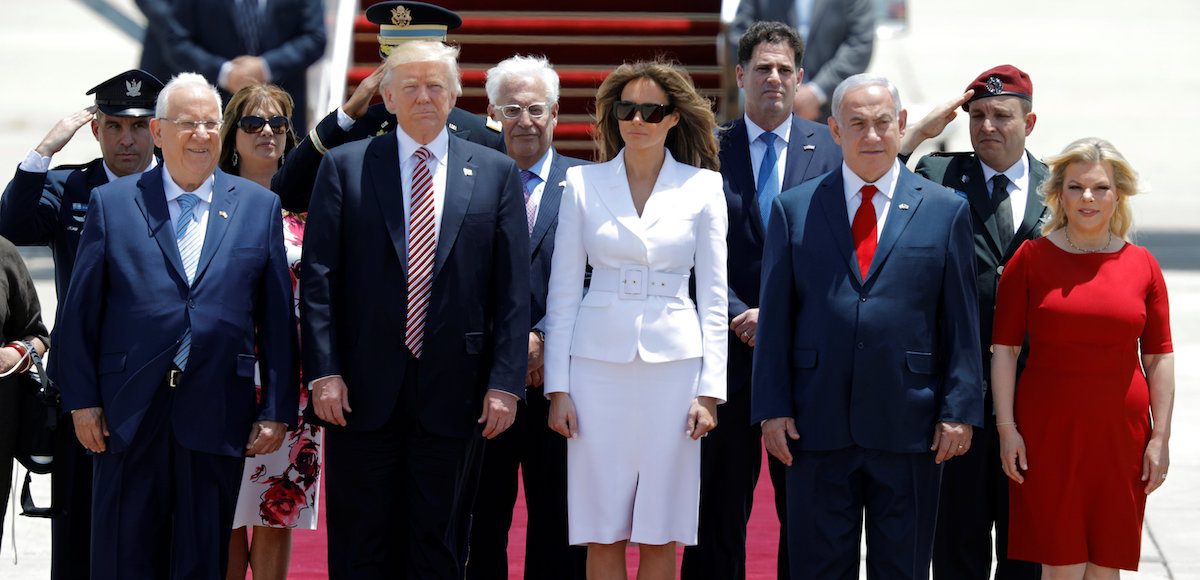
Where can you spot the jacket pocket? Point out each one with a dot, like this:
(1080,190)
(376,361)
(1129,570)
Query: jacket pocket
(804,358)
(113,362)
(922,363)
(245,365)
(473,342)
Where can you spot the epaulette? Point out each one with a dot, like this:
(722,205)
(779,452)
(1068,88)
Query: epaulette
(493,124)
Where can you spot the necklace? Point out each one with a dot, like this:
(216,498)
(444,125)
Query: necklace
(1067,233)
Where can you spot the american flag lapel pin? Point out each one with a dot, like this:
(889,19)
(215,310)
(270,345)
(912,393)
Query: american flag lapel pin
(467,171)
(903,206)
(223,214)
(810,147)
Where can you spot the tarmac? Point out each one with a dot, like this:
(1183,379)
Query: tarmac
(1119,70)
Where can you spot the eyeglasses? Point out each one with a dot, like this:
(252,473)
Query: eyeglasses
(186,125)
(535,110)
(254,124)
(651,112)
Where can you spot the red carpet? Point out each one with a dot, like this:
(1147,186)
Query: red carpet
(308,548)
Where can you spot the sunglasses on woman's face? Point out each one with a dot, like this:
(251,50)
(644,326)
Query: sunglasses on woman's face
(651,112)
(254,124)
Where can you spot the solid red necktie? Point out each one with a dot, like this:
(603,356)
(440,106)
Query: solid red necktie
(863,229)
(422,246)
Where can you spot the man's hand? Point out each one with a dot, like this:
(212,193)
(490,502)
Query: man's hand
(933,124)
(533,376)
(265,437)
(246,70)
(950,440)
(356,106)
(745,325)
(63,131)
(806,105)
(702,417)
(776,432)
(499,412)
(331,400)
(91,428)
(562,418)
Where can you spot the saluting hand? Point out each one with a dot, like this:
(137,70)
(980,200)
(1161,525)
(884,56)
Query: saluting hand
(932,125)
(356,106)
(64,130)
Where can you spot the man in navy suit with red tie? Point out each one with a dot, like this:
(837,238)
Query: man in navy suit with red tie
(415,322)
(867,373)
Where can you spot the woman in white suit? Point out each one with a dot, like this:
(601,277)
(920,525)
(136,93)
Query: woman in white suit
(635,369)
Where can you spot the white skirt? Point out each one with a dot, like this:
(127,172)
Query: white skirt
(633,473)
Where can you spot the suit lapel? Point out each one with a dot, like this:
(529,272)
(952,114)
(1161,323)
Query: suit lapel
(975,187)
(384,169)
(614,193)
(1034,207)
(661,197)
(738,169)
(904,204)
(551,196)
(831,195)
(460,183)
(152,201)
(220,213)
(798,158)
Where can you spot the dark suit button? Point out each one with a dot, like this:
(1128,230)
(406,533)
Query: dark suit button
(861,346)
(192,304)
(999,269)
(862,298)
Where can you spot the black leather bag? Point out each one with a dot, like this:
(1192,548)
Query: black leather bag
(39,412)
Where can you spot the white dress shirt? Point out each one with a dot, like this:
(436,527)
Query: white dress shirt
(199,211)
(758,149)
(440,148)
(1018,187)
(882,200)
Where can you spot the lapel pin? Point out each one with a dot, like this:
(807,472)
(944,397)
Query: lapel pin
(966,178)
(467,171)
(452,126)
(904,206)
(223,214)
(810,147)
(562,183)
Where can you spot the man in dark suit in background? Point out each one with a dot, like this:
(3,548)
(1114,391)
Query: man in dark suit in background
(180,286)
(234,43)
(838,36)
(1000,180)
(799,150)
(523,92)
(399,22)
(47,207)
(866,365)
(415,316)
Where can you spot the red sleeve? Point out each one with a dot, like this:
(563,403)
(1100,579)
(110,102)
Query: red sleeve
(1156,335)
(1012,299)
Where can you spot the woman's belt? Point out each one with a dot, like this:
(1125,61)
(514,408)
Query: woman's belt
(638,282)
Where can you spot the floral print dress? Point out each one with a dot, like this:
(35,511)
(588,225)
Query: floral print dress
(280,489)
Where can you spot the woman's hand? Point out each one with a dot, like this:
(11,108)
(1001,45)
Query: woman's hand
(1155,462)
(562,418)
(702,417)
(9,358)
(1012,453)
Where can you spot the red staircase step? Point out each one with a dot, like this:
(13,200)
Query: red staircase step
(520,24)
(567,78)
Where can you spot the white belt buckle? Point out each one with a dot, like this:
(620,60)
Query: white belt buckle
(633,283)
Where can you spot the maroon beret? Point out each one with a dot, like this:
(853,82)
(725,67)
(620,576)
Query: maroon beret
(1005,79)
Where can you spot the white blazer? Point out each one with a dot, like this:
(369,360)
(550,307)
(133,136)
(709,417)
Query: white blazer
(634,306)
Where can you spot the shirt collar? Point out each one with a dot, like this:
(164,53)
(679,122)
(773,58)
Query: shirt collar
(886,184)
(173,191)
(113,176)
(439,147)
(541,168)
(1014,173)
(783,131)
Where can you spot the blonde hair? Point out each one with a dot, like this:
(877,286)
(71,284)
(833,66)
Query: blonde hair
(425,51)
(691,141)
(1090,150)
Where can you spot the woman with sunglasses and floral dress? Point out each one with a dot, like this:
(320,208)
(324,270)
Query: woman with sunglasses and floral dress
(279,490)
(635,369)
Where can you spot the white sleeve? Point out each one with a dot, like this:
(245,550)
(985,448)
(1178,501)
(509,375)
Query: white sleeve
(566,284)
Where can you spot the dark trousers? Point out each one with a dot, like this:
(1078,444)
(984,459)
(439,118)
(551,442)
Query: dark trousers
(10,417)
(730,462)
(399,497)
(71,487)
(828,492)
(160,510)
(974,497)
(542,456)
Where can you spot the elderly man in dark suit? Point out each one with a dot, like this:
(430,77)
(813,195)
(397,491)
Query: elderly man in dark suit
(1000,180)
(180,285)
(866,369)
(838,36)
(415,322)
(47,207)
(523,92)
(766,151)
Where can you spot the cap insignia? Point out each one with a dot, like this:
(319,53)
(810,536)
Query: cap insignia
(133,88)
(401,16)
(994,85)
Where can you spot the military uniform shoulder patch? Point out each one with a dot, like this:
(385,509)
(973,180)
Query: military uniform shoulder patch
(493,124)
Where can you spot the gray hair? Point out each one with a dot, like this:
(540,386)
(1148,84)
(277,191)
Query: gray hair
(181,81)
(521,67)
(425,51)
(859,81)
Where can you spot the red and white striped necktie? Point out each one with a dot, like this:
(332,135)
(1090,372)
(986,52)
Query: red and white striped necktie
(422,246)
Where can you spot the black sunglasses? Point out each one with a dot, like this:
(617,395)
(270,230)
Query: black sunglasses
(651,112)
(254,124)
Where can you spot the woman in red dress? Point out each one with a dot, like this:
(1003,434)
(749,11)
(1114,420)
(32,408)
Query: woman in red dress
(1088,439)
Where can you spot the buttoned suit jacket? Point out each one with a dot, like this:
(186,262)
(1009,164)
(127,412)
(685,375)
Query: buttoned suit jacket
(812,152)
(682,226)
(353,285)
(872,362)
(129,304)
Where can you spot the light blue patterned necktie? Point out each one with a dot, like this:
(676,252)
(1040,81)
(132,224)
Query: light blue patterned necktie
(768,177)
(187,237)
